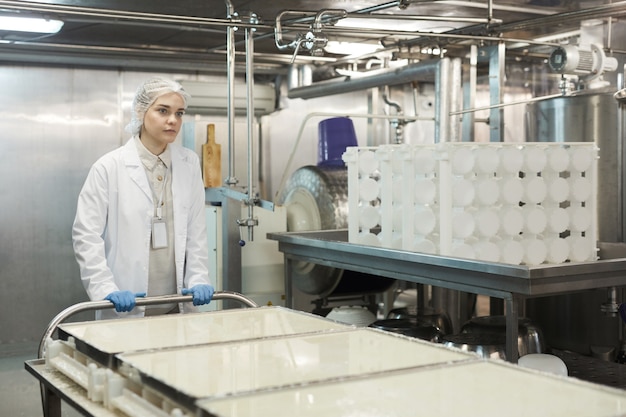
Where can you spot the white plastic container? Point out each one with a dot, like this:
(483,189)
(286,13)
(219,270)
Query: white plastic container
(441,197)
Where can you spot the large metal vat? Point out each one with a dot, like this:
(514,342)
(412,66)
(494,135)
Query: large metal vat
(587,117)
(316,198)
(574,321)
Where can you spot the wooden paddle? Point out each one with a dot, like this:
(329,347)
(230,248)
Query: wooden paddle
(211,159)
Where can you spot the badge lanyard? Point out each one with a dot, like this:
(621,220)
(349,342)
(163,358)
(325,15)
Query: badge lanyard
(159,226)
(159,208)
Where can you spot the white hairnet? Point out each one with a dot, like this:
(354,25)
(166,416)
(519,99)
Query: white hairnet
(146,95)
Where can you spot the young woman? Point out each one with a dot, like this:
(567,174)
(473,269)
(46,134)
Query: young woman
(140,220)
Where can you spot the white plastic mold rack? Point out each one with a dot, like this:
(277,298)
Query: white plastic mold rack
(530,203)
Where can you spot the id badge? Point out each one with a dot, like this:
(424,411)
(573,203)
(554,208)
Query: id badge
(159,234)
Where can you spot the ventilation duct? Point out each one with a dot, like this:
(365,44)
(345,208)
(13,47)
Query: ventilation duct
(422,71)
(210,98)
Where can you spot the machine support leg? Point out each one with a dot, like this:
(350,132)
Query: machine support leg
(50,402)
(288,283)
(512,305)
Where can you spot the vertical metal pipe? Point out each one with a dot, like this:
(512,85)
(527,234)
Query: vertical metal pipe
(293,76)
(457,300)
(469,96)
(230,95)
(621,160)
(620,324)
(496,83)
(250,119)
(442,105)
(441,296)
(455,99)
(231,211)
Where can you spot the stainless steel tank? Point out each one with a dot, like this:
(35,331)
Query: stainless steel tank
(587,117)
(316,198)
(574,321)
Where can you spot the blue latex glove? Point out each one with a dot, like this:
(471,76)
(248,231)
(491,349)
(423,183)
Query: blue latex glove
(123,300)
(202,293)
(622,311)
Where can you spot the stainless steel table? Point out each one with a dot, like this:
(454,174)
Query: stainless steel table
(512,283)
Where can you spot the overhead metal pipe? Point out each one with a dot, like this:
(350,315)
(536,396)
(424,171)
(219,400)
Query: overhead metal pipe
(522,8)
(278,29)
(423,17)
(122,15)
(379,7)
(602,11)
(422,71)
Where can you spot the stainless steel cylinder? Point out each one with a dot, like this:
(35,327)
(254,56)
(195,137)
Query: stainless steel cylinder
(575,321)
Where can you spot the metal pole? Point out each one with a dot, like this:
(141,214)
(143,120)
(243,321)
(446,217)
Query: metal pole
(456,101)
(469,97)
(496,83)
(442,106)
(250,119)
(230,109)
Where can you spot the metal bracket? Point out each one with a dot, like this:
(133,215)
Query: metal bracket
(218,194)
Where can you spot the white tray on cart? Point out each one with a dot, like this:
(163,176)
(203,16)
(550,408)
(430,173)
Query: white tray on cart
(485,388)
(197,372)
(102,340)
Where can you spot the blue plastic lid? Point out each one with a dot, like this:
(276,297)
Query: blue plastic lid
(335,135)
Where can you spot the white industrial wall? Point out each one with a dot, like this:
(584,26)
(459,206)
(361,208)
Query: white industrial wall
(55,123)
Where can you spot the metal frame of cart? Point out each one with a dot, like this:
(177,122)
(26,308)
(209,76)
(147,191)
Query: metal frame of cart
(51,390)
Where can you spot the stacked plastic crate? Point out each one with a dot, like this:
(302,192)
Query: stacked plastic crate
(530,203)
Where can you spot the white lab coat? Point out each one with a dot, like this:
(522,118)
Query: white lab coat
(112,228)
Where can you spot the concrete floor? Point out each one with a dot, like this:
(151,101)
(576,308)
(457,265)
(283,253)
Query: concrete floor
(19,390)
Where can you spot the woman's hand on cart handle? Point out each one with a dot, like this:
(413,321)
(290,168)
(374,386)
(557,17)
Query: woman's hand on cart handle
(123,300)
(202,293)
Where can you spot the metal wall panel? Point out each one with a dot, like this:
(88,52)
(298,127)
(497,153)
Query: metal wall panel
(55,123)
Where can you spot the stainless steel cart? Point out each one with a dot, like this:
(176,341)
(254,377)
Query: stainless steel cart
(55,388)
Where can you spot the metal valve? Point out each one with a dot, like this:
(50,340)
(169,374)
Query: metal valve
(250,224)
(611,307)
(315,43)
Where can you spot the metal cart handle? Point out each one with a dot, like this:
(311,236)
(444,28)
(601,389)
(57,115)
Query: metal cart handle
(140,301)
